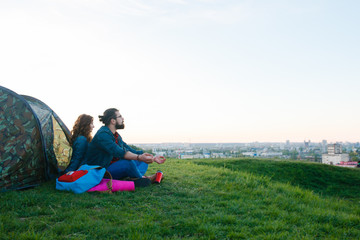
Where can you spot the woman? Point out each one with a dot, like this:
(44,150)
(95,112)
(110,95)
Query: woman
(81,137)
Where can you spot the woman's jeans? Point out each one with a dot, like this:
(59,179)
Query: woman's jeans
(127,168)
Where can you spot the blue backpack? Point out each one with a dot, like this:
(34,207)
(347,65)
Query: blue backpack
(90,176)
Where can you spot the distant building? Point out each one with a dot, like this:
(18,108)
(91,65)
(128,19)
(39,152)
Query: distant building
(334,159)
(186,156)
(334,155)
(249,154)
(348,164)
(287,144)
(191,156)
(271,154)
(207,155)
(218,155)
(324,146)
(334,149)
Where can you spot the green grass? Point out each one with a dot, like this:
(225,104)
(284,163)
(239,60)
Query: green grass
(198,199)
(320,178)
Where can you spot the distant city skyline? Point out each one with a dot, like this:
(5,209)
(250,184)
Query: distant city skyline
(191,71)
(339,154)
(253,142)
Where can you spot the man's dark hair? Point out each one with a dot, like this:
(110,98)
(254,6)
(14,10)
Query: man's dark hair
(108,115)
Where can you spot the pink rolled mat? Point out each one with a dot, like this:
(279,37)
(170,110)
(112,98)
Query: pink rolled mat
(117,185)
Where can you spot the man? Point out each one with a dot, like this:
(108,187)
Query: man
(107,149)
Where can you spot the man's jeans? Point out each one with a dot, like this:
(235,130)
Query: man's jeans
(127,168)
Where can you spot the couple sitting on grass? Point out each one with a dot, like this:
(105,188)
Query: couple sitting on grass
(108,150)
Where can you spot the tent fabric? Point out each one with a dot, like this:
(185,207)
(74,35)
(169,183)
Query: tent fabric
(48,119)
(62,148)
(27,142)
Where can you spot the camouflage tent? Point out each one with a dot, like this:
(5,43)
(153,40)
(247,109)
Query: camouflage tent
(34,142)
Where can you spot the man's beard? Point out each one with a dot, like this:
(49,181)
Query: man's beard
(120,126)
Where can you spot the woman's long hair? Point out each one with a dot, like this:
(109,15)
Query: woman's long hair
(82,127)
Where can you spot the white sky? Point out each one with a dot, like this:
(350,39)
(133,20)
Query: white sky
(191,71)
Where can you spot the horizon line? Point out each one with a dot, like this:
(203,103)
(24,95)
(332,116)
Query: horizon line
(330,142)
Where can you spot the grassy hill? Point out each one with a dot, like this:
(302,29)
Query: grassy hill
(199,199)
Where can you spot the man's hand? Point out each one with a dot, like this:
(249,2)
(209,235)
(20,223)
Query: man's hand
(146,158)
(159,159)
